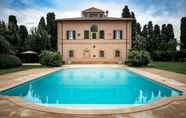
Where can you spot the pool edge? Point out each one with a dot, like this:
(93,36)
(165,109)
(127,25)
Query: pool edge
(156,104)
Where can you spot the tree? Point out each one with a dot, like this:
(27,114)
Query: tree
(140,42)
(164,39)
(138,28)
(22,37)
(144,33)
(11,35)
(183,33)
(52,30)
(12,24)
(42,24)
(170,32)
(5,46)
(133,28)
(149,36)
(43,42)
(156,37)
(172,44)
(2,28)
(125,12)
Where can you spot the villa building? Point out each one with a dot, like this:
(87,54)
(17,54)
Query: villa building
(94,37)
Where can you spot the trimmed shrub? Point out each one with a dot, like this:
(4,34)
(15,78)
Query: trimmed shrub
(49,58)
(138,58)
(9,61)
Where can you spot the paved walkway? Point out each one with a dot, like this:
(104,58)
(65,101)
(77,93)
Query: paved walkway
(8,109)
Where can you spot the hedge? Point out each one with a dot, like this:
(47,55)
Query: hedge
(9,61)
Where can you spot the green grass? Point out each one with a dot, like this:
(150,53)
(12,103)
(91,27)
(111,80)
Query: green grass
(17,69)
(178,67)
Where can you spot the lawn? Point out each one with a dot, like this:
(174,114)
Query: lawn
(24,67)
(179,67)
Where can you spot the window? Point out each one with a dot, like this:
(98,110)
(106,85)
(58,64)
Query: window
(94,35)
(101,53)
(71,35)
(117,34)
(100,15)
(93,15)
(101,34)
(71,53)
(117,53)
(86,34)
(94,28)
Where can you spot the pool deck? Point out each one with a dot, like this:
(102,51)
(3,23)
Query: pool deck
(11,107)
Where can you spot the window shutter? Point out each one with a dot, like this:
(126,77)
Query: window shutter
(67,35)
(114,34)
(121,34)
(87,34)
(74,35)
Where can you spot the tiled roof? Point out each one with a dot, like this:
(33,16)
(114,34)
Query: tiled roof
(95,19)
(92,9)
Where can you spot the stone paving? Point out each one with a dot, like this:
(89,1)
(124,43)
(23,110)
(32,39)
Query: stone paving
(8,109)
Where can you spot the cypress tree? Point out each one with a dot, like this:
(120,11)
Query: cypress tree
(183,33)
(171,39)
(12,24)
(12,32)
(156,37)
(164,39)
(22,37)
(138,28)
(133,28)
(125,12)
(52,29)
(42,24)
(150,36)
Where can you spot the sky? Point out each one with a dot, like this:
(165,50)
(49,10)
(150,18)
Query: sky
(28,12)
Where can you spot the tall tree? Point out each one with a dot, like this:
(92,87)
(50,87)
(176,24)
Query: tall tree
(164,39)
(172,44)
(150,36)
(183,33)
(42,37)
(133,28)
(138,28)
(12,32)
(170,31)
(42,24)
(22,37)
(156,37)
(126,12)
(144,34)
(12,24)
(52,29)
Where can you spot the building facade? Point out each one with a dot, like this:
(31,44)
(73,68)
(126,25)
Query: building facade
(94,38)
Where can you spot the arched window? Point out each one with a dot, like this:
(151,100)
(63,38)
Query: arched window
(94,28)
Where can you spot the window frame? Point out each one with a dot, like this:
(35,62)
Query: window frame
(101,53)
(102,34)
(86,36)
(71,53)
(116,54)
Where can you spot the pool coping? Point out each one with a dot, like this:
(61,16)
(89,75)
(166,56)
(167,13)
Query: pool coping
(156,104)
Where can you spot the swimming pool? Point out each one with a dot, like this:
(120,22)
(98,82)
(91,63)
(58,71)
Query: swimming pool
(92,86)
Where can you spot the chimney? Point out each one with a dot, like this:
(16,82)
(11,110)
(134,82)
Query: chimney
(107,13)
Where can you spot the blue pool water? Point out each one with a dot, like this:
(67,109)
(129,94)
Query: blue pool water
(100,86)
